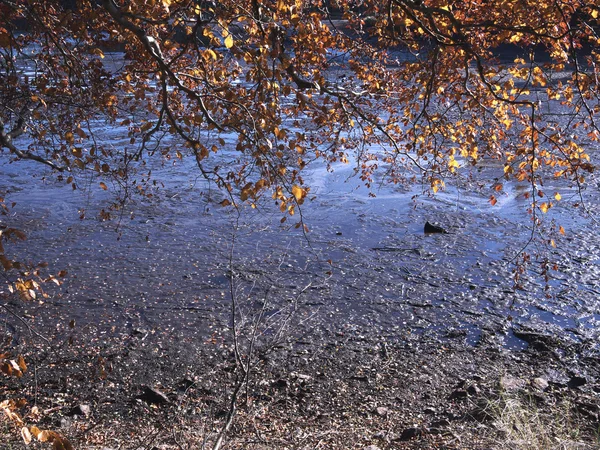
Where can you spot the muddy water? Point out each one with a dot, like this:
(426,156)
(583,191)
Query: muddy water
(366,267)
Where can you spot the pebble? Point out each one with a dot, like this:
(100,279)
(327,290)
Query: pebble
(410,433)
(81,410)
(510,383)
(382,411)
(153,395)
(540,383)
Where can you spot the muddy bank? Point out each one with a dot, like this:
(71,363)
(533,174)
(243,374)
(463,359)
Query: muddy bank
(348,390)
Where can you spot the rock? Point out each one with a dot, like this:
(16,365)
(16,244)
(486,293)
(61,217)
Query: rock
(372,447)
(302,378)
(576,382)
(65,422)
(410,433)
(459,394)
(382,411)
(440,423)
(380,435)
(429,228)
(281,383)
(185,384)
(537,341)
(153,396)
(540,383)
(81,410)
(473,390)
(510,383)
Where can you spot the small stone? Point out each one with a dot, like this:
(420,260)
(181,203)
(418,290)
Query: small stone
(473,390)
(153,396)
(301,377)
(540,383)
(440,423)
(429,228)
(382,411)
(458,394)
(372,447)
(281,383)
(381,435)
(576,382)
(411,433)
(510,383)
(81,410)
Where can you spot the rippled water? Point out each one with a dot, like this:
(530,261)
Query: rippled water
(165,265)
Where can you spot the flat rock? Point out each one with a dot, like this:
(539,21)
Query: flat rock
(430,228)
(576,382)
(510,383)
(540,383)
(410,433)
(459,394)
(153,396)
(382,411)
(81,410)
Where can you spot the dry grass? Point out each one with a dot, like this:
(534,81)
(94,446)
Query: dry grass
(519,424)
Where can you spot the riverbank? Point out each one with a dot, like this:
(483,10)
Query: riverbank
(153,389)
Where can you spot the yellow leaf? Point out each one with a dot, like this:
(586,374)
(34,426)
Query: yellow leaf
(557,196)
(229,41)
(298,192)
(561,230)
(544,207)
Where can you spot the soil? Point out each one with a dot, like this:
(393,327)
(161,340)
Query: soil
(345,390)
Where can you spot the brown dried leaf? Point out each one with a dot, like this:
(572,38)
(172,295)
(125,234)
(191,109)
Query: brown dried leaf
(6,368)
(21,363)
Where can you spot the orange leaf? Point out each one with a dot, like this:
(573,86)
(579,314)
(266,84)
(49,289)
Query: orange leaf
(21,363)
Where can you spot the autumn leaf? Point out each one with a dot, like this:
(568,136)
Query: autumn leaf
(298,192)
(229,41)
(21,363)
